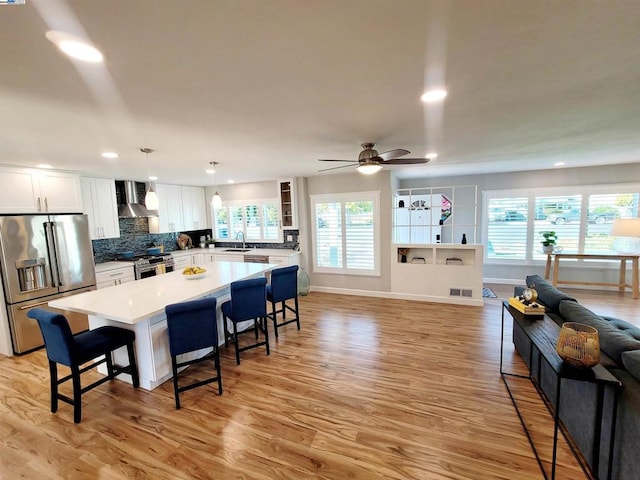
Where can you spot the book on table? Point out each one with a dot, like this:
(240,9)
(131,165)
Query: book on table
(527,309)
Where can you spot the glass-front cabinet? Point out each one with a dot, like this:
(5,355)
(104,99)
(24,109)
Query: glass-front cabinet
(287,195)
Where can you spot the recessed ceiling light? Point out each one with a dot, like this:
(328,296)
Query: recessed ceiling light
(210,171)
(153,178)
(75,47)
(109,154)
(44,165)
(431,155)
(558,164)
(433,95)
(231,181)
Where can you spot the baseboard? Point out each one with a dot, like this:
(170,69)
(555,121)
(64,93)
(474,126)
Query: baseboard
(475,302)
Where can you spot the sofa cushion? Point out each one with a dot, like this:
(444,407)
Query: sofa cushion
(613,339)
(548,295)
(631,362)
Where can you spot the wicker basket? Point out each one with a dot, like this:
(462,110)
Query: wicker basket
(579,345)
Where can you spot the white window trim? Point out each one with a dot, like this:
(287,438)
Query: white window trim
(531,194)
(341,198)
(244,203)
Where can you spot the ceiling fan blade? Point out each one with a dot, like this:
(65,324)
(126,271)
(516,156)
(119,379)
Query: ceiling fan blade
(405,161)
(331,160)
(335,168)
(398,152)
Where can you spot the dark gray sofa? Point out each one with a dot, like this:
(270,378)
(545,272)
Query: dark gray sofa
(620,354)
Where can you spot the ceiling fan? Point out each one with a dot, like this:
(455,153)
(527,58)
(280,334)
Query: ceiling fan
(370,161)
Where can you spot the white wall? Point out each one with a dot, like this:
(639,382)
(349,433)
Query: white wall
(385,182)
(627,173)
(353,182)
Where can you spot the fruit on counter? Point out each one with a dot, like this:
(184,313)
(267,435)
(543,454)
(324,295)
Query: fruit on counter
(193,270)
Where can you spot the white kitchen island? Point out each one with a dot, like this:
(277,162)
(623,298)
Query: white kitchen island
(139,306)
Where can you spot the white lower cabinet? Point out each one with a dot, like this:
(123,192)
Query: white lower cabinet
(152,342)
(116,276)
(181,261)
(161,354)
(284,261)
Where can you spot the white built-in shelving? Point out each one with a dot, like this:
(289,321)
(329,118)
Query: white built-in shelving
(444,273)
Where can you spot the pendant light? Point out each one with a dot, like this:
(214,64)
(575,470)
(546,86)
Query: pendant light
(216,200)
(151,198)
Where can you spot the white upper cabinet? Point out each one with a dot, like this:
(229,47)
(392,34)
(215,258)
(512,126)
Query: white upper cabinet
(169,217)
(194,209)
(100,205)
(288,207)
(24,190)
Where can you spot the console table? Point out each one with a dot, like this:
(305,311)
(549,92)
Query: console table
(622,279)
(543,334)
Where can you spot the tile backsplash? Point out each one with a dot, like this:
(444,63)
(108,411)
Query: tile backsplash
(135,237)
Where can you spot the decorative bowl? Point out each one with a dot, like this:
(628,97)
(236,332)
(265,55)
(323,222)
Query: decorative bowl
(194,276)
(579,345)
(191,273)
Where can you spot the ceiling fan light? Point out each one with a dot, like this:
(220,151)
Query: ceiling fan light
(434,95)
(369,168)
(216,200)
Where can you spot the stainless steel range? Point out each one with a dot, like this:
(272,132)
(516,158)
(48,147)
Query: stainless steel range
(146,266)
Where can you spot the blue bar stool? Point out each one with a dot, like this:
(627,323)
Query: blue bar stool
(193,326)
(248,302)
(283,287)
(75,350)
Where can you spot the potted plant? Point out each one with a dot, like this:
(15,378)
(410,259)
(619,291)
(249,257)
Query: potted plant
(549,242)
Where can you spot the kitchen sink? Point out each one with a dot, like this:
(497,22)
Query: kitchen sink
(237,249)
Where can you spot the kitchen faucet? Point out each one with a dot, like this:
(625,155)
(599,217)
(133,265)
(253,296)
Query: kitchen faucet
(238,235)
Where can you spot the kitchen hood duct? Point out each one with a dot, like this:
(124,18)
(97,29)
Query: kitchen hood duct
(131,207)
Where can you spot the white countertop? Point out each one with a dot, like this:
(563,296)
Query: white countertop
(135,301)
(276,252)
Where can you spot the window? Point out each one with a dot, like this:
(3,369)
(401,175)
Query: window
(346,237)
(514,221)
(256,219)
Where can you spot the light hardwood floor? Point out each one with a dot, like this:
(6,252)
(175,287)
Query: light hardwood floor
(369,388)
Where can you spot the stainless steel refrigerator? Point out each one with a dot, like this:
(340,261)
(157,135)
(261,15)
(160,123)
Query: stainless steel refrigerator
(43,257)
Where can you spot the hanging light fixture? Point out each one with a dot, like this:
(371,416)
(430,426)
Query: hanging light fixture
(216,200)
(151,198)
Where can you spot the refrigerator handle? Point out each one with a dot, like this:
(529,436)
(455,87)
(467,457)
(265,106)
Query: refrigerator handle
(53,253)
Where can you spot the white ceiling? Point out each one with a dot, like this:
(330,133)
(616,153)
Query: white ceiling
(266,87)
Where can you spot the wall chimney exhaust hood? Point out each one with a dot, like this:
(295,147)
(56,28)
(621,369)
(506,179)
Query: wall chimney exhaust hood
(129,200)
